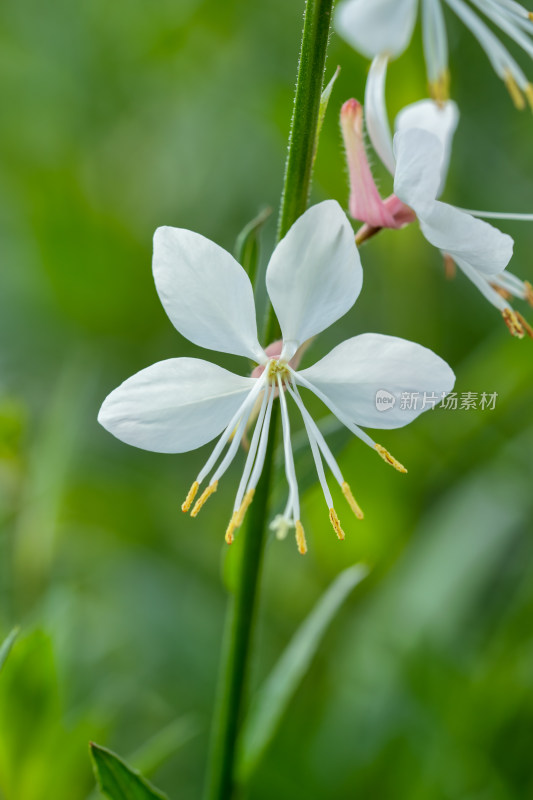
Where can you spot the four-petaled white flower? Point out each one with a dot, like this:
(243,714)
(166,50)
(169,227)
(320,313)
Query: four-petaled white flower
(385,27)
(418,160)
(313,278)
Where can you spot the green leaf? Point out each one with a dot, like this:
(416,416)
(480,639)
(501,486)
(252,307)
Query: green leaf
(165,743)
(8,643)
(117,780)
(247,244)
(273,698)
(324,100)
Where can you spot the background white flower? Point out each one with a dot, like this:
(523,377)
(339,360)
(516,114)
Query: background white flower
(418,159)
(385,27)
(313,278)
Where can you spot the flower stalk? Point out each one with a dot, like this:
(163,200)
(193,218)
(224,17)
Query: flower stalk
(220,781)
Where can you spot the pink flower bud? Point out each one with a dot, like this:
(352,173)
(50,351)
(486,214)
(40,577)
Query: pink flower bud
(366,204)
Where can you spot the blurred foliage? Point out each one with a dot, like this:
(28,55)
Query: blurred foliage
(125,116)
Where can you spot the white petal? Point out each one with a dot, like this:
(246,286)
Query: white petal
(462,236)
(353,373)
(376,117)
(205,292)
(315,274)
(419,157)
(441,121)
(174,405)
(419,161)
(373,27)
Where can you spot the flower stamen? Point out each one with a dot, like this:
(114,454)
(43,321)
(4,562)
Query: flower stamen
(336,524)
(450,270)
(352,502)
(528,288)
(514,326)
(204,497)
(185,506)
(512,87)
(386,456)
(439,89)
(319,445)
(232,527)
(525,324)
(277,369)
(245,505)
(300,538)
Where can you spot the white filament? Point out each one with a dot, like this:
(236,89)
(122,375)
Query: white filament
(243,411)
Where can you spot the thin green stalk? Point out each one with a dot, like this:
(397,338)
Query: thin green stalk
(241,613)
(305,114)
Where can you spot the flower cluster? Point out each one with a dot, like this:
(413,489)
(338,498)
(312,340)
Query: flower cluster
(314,277)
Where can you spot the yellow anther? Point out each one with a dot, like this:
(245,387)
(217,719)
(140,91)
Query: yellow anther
(386,456)
(230,530)
(530,15)
(528,91)
(512,87)
(277,368)
(190,497)
(513,323)
(300,538)
(248,497)
(352,502)
(525,324)
(333,518)
(204,497)
(439,89)
(529,292)
(449,267)
(237,518)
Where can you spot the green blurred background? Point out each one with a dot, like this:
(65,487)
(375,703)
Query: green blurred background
(119,117)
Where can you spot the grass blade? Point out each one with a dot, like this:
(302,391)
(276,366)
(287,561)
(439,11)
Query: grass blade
(273,698)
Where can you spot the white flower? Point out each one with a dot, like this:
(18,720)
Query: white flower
(418,160)
(385,27)
(313,278)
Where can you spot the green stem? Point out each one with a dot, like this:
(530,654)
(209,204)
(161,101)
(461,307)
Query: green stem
(305,113)
(241,613)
